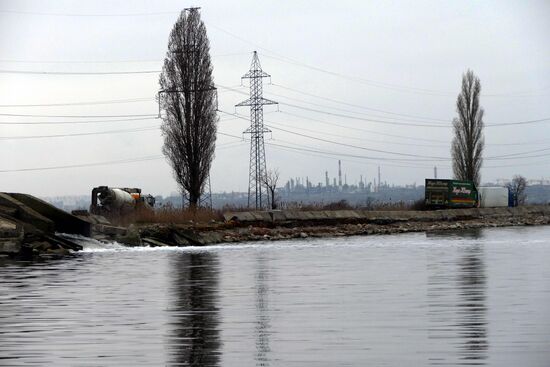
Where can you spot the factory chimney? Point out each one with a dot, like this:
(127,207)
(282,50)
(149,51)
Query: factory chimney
(339,173)
(378,178)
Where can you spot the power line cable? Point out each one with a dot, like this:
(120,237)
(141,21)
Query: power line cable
(282,58)
(442,142)
(340,154)
(400,88)
(105,163)
(343,144)
(361,138)
(21,12)
(75,122)
(355,112)
(23,137)
(90,103)
(362,118)
(85,103)
(398,123)
(38,123)
(373,83)
(431,158)
(361,129)
(104,61)
(78,116)
(545,119)
(406,124)
(356,105)
(31,72)
(515,155)
(393,165)
(519,165)
(518,155)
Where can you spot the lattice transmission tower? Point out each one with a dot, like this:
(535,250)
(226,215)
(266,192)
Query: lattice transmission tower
(257,190)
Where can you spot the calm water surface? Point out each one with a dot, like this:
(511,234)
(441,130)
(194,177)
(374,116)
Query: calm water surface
(476,298)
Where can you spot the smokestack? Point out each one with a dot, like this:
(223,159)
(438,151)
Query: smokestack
(435,171)
(326,179)
(339,173)
(378,178)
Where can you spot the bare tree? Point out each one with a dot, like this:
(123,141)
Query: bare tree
(468,142)
(270,181)
(188,100)
(517,189)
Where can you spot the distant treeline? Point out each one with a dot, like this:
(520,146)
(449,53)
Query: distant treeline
(389,196)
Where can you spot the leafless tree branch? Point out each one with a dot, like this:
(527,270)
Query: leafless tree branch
(517,189)
(270,180)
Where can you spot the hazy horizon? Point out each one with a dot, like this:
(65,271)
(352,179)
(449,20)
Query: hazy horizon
(380,78)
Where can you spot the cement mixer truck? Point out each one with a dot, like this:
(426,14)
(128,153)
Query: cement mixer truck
(115,201)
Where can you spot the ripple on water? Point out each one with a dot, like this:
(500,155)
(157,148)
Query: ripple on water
(462,298)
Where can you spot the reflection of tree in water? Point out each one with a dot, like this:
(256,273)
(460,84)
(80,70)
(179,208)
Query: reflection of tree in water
(456,300)
(195,339)
(262,323)
(472,318)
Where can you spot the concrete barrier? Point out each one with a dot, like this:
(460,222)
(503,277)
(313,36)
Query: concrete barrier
(381,216)
(25,213)
(62,221)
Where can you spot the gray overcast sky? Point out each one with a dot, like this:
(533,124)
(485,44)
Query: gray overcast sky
(403,57)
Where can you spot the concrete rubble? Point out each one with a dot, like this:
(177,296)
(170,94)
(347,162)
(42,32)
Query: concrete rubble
(29,227)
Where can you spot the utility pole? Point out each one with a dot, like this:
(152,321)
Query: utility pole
(257,191)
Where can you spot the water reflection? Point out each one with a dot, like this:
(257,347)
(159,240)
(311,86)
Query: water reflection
(472,309)
(457,299)
(451,234)
(262,312)
(195,335)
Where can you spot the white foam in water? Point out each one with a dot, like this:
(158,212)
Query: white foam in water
(92,245)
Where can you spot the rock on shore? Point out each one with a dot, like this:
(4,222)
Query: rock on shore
(257,226)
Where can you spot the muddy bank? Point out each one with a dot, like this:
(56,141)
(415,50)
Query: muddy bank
(256,226)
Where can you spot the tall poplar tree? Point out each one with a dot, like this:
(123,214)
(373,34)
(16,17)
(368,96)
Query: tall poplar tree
(468,143)
(188,101)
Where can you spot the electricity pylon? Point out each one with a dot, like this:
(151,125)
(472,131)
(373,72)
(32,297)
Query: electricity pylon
(257,190)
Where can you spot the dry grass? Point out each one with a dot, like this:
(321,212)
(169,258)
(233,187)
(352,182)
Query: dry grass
(204,216)
(175,216)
